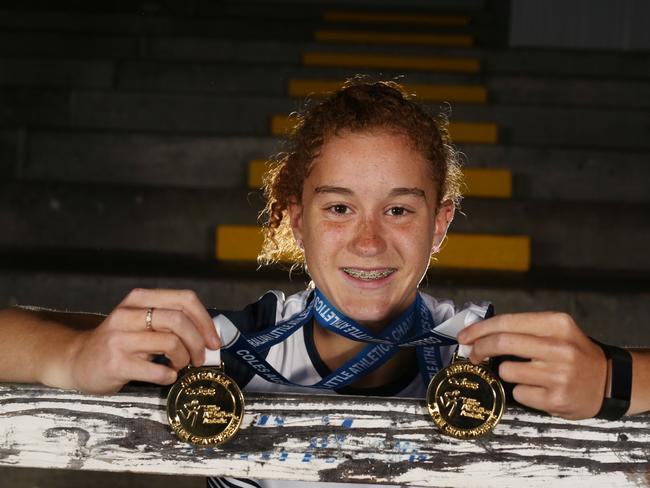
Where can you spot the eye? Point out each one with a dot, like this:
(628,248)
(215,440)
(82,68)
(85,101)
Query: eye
(397,211)
(339,209)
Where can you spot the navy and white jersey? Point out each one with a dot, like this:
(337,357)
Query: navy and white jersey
(298,361)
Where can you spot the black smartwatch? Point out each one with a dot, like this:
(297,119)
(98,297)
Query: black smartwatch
(618,403)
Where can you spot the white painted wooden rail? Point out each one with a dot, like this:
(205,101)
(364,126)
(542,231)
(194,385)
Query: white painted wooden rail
(327,438)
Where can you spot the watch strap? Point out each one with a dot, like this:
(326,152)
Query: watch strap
(618,403)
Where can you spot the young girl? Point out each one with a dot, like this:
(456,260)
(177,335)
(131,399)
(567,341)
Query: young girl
(362,197)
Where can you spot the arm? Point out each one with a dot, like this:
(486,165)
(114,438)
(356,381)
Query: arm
(57,349)
(567,373)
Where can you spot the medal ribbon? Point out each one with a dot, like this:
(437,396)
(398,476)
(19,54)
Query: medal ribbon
(249,350)
(414,327)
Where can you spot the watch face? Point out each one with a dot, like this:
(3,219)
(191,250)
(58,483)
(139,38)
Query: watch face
(466,400)
(205,407)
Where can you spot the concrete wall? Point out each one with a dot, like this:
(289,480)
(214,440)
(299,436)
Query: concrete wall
(582,24)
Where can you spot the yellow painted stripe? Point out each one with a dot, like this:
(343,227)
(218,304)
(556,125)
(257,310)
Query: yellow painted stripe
(425,93)
(343,16)
(465,251)
(482,183)
(238,242)
(256,170)
(459,65)
(473,132)
(488,183)
(461,132)
(485,252)
(456,40)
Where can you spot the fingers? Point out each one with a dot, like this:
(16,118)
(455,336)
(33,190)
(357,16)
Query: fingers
(177,323)
(542,324)
(143,370)
(532,373)
(521,345)
(164,343)
(163,320)
(185,301)
(532,396)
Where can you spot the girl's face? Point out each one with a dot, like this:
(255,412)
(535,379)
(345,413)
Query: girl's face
(368,223)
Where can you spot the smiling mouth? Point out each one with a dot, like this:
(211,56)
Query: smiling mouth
(369,275)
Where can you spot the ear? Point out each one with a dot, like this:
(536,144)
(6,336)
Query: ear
(444,216)
(295,219)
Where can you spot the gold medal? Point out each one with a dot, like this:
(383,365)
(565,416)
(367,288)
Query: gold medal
(466,400)
(205,407)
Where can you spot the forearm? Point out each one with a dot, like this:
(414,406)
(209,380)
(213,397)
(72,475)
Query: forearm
(37,348)
(640,400)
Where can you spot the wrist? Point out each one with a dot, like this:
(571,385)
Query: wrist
(618,389)
(58,369)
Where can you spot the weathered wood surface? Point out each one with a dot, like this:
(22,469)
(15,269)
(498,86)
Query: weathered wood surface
(299,437)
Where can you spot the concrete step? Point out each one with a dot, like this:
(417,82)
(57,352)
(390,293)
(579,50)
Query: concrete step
(65,73)
(612,315)
(200,77)
(211,162)
(272,80)
(240,243)
(460,132)
(540,90)
(521,61)
(515,62)
(62,45)
(572,235)
(69,22)
(251,115)
(479,182)
(408,6)
(303,87)
(234,9)
(251,26)
(395,18)
(365,37)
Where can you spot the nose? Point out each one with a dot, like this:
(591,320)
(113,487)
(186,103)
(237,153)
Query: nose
(368,238)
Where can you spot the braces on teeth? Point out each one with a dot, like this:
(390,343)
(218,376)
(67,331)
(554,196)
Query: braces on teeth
(368,275)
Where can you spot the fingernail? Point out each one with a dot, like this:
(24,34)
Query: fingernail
(214,342)
(462,336)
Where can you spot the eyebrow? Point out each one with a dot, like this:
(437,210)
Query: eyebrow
(333,189)
(395,192)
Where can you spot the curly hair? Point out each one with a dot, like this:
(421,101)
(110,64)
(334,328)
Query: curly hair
(359,106)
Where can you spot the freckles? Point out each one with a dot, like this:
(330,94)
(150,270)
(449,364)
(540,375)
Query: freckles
(332,229)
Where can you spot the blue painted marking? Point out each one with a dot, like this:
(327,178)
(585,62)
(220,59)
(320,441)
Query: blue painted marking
(279,421)
(244,457)
(284,456)
(266,456)
(423,457)
(263,420)
(324,442)
(325,419)
(306,458)
(340,438)
(330,460)
(347,423)
(312,443)
(402,446)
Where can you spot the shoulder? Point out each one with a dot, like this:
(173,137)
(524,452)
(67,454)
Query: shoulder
(266,312)
(443,309)
(270,308)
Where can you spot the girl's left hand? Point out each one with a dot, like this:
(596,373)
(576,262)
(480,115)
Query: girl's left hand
(567,372)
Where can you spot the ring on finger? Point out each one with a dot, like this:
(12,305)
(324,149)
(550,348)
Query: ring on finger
(148,319)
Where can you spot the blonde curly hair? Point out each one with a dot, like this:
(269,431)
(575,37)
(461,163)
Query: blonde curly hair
(360,105)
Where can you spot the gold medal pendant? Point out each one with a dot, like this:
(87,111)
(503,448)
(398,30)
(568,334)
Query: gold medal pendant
(466,400)
(205,407)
